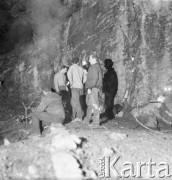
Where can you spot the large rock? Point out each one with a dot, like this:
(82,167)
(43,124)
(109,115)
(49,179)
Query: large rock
(66,167)
(166,110)
(55,156)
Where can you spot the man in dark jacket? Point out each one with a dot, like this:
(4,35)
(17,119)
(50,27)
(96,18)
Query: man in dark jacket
(110,88)
(93,85)
(50,110)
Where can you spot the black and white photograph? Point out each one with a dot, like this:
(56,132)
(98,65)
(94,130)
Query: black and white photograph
(85,89)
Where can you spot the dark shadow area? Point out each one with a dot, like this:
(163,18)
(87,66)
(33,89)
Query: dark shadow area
(13,31)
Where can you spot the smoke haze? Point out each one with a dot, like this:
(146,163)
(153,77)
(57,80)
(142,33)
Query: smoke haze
(46,15)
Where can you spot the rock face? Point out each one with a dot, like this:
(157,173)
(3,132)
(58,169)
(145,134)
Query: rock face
(135,34)
(30,66)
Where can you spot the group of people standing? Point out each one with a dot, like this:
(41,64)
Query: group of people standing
(90,82)
(71,84)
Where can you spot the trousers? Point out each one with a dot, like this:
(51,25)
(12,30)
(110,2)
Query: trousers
(66,101)
(93,106)
(75,103)
(40,118)
(109,103)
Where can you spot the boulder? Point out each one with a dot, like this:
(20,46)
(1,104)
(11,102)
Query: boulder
(66,167)
(152,122)
(57,155)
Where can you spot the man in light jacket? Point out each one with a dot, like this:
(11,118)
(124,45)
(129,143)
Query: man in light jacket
(93,85)
(76,76)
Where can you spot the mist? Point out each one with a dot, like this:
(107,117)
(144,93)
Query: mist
(46,15)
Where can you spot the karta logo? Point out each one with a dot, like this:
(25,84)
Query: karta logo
(129,170)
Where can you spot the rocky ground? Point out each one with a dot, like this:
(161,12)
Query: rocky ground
(121,142)
(77,151)
(128,141)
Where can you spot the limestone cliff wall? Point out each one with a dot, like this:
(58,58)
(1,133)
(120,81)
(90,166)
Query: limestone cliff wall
(31,66)
(135,34)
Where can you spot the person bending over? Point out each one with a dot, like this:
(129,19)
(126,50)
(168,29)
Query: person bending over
(50,110)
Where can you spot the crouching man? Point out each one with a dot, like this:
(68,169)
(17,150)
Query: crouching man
(50,110)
